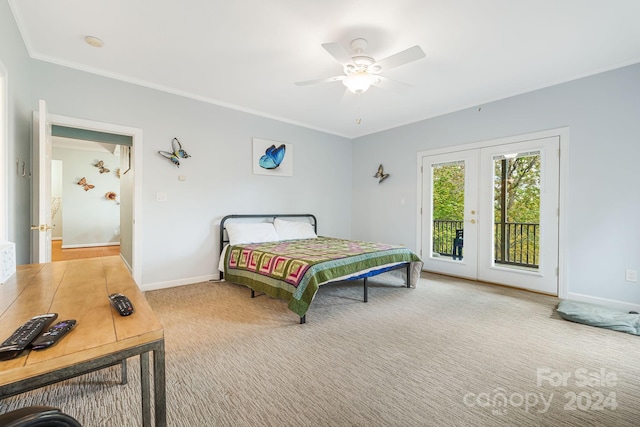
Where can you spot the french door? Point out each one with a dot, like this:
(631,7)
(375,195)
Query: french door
(491,214)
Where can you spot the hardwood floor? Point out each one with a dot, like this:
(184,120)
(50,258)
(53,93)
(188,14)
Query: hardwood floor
(59,254)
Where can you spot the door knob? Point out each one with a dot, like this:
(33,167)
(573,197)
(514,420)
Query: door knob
(473,221)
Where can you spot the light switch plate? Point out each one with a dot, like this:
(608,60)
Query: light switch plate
(631,275)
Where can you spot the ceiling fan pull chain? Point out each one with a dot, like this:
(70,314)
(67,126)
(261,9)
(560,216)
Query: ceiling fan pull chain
(358,118)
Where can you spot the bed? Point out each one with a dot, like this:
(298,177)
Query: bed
(282,256)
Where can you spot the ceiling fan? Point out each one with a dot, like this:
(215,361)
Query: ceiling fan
(362,71)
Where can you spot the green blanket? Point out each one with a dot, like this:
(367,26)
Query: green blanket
(294,269)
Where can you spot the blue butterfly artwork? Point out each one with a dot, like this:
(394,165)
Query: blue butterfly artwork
(177,153)
(272,157)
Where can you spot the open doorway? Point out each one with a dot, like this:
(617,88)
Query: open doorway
(130,179)
(85,196)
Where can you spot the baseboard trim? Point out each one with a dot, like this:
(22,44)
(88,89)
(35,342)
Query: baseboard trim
(620,305)
(90,245)
(174,283)
(126,264)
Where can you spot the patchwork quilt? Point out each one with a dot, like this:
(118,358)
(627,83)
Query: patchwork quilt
(294,269)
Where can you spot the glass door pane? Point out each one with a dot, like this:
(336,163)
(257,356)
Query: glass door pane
(516,210)
(448,209)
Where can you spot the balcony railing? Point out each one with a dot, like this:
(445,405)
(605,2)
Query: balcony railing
(520,244)
(444,232)
(516,243)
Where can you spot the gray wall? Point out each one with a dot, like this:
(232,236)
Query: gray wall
(179,237)
(15,60)
(603,116)
(126,207)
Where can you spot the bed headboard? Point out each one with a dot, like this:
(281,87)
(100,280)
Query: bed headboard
(224,238)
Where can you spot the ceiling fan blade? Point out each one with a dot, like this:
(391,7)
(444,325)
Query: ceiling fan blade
(317,81)
(338,53)
(409,55)
(393,85)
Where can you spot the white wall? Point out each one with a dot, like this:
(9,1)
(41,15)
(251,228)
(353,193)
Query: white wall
(602,113)
(56,199)
(88,218)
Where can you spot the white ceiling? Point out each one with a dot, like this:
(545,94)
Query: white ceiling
(247,54)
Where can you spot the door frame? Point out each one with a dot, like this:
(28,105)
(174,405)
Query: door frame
(563,134)
(136,162)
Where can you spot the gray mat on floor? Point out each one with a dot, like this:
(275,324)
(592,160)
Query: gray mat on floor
(600,316)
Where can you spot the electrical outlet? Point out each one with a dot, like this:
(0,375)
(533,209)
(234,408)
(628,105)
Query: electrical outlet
(631,275)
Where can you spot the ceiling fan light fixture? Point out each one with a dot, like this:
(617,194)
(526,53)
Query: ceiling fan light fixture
(362,61)
(359,82)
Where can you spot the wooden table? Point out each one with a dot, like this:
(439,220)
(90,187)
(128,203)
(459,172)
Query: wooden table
(79,290)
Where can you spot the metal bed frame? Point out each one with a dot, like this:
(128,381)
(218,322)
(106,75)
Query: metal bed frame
(224,239)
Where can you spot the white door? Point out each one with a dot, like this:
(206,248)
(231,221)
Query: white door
(521,253)
(491,214)
(41,186)
(454,174)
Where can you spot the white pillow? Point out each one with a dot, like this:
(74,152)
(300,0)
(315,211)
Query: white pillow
(293,230)
(251,232)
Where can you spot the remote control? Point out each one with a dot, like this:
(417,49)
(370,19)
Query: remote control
(122,304)
(23,336)
(52,336)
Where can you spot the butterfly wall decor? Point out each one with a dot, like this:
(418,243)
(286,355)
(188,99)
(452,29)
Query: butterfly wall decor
(100,165)
(272,157)
(177,153)
(380,174)
(83,183)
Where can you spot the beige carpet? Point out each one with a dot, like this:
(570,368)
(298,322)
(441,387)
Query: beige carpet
(449,353)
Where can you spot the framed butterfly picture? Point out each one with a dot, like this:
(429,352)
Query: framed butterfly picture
(272,158)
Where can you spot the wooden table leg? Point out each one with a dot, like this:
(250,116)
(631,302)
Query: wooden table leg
(123,377)
(144,385)
(159,385)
